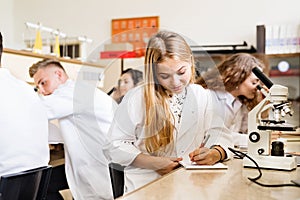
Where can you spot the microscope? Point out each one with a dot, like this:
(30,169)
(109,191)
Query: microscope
(259,129)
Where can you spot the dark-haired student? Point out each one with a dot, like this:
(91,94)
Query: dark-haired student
(129,79)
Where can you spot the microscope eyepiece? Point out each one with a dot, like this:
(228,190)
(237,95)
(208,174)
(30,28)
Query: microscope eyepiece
(258,87)
(262,90)
(268,83)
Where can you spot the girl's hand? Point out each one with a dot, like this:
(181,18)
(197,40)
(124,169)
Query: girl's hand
(162,165)
(167,165)
(205,156)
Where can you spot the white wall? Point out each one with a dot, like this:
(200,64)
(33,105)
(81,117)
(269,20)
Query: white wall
(203,21)
(7,22)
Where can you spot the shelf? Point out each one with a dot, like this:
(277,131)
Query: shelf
(283,55)
(42,56)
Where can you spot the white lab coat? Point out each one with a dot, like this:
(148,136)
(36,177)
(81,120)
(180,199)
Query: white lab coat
(55,136)
(85,114)
(234,114)
(23,126)
(127,132)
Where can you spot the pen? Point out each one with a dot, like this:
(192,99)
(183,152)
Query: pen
(202,145)
(205,141)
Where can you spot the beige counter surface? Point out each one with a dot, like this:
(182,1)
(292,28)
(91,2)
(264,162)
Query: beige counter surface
(219,184)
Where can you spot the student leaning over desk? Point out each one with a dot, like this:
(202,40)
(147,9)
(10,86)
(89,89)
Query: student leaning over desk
(165,120)
(84,114)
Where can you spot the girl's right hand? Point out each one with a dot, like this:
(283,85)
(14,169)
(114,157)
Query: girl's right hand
(167,164)
(162,165)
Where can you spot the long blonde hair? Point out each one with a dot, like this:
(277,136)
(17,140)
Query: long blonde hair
(158,121)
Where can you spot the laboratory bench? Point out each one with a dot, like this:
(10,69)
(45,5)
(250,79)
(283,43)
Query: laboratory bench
(228,184)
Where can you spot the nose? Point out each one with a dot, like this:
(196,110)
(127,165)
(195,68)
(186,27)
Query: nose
(122,84)
(175,80)
(41,90)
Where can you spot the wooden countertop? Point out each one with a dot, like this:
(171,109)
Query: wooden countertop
(218,184)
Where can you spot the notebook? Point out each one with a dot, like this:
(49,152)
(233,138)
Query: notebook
(195,166)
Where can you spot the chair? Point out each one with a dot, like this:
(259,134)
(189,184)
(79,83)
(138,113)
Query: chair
(116,172)
(26,185)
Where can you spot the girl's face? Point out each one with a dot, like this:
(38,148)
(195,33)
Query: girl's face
(248,87)
(125,83)
(174,75)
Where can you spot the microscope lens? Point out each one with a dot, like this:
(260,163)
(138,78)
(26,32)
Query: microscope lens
(277,148)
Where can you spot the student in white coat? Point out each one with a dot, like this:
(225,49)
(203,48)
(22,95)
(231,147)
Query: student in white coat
(165,120)
(234,90)
(23,125)
(85,114)
(129,79)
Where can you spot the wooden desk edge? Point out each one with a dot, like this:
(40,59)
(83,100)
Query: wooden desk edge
(140,188)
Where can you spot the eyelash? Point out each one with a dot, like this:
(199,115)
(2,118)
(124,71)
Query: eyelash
(179,73)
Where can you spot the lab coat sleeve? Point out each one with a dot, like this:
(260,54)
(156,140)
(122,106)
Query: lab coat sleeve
(215,127)
(240,139)
(104,108)
(58,106)
(123,135)
(54,133)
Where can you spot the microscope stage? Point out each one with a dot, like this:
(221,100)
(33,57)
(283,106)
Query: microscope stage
(277,127)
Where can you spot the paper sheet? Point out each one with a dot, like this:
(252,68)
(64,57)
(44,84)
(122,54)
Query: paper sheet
(195,166)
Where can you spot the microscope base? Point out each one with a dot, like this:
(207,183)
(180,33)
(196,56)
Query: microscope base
(272,162)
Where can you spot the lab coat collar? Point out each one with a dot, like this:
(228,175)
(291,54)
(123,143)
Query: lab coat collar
(68,82)
(231,101)
(223,95)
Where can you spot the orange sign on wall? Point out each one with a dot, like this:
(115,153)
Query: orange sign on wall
(136,31)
